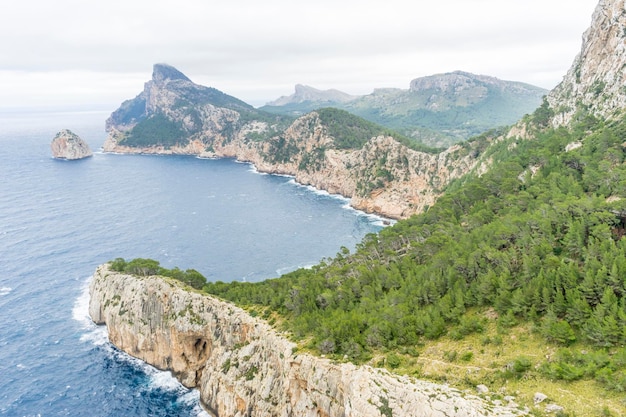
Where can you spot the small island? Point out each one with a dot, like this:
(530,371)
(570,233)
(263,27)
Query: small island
(68,145)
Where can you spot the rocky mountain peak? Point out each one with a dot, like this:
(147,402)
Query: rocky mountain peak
(457,81)
(165,72)
(597,78)
(305,93)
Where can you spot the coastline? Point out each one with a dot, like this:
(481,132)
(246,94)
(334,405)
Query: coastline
(243,366)
(384,220)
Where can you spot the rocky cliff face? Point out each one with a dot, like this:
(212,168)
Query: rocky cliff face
(383,176)
(242,367)
(67,145)
(597,78)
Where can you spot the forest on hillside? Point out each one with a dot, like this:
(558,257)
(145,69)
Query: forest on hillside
(536,240)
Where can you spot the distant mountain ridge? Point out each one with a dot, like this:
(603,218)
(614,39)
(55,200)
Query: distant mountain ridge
(436,110)
(305,94)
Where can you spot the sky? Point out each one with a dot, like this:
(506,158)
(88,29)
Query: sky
(92,55)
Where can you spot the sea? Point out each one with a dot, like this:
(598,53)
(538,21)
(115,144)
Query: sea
(60,219)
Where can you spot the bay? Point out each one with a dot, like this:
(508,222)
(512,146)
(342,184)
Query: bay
(60,219)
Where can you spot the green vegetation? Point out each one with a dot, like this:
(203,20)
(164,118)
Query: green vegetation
(148,267)
(352,132)
(535,244)
(157,129)
(436,117)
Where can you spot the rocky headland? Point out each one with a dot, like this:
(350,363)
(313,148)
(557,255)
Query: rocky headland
(381,175)
(243,367)
(68,145)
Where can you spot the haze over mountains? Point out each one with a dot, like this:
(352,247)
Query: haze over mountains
(436,110)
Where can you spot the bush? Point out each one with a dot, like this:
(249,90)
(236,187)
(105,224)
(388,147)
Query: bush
(393,360)
(147,267)
(521,365)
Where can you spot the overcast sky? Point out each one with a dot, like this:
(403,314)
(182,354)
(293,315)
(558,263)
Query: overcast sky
(95,54)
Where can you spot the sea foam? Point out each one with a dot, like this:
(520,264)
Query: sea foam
(158,380)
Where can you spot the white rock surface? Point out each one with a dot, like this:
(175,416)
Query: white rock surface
(242,367)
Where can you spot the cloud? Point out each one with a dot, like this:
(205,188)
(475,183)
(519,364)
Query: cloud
(259,50)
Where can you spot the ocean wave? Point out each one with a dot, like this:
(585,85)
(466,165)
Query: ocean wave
(375,219)
(159,381)
(287,269)
(5,290)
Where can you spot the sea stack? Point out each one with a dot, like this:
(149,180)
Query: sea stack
(68,145)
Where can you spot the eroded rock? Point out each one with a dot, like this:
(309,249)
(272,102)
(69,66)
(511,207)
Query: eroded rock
(68,145)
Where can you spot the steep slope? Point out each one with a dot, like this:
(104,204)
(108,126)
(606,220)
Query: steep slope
(516,274)
(172,111)
(436,110)
(68,145)
(242,367)
(380,170)
(597,79)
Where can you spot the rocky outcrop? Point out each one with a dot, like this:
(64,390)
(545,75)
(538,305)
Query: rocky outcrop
(597,78)
(242,367)
(68,145)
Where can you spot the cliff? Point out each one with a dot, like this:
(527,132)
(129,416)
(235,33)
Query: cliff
(381,175)
(68,145)
(597,78)
(242,367)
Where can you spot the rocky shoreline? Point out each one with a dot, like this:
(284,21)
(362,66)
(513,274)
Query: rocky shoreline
(242,367)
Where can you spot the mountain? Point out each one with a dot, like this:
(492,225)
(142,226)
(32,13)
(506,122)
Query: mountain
(436,110)
(172,110)
(309,97)
(380,170)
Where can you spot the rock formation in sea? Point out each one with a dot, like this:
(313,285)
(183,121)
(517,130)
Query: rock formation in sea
(243,367)
(68,145)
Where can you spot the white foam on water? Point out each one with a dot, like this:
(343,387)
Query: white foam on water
(287,269)
(164,380)
(5,290)
(98,336)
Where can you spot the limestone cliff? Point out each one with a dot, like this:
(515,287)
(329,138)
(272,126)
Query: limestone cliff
(596,79)
(174,116)
(242,367)
(67,145)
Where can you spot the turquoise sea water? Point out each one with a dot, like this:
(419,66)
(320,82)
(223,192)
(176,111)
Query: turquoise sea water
(59,220)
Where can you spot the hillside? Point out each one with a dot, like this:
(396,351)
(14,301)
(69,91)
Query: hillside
(437,110)
(513,280)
